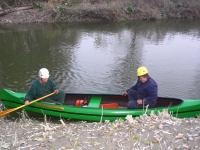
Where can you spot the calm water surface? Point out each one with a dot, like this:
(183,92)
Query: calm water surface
(103,57)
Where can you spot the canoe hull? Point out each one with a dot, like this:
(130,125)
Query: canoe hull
(178,108)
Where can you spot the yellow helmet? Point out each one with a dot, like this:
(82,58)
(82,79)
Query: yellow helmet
(141,71)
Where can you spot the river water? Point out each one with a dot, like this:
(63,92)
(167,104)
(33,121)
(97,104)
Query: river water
(103,57)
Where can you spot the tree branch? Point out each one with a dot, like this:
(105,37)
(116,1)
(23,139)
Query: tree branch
(4,12)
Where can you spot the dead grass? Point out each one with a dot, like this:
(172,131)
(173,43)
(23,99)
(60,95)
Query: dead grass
(160,131)
(117,10)
(107,10)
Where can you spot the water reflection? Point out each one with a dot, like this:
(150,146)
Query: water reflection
(103,57)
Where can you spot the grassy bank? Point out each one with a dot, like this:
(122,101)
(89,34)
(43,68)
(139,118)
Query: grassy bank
(119,10)
(102,10)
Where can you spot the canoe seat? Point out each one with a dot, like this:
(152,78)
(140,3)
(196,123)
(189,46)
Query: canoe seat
(95,101)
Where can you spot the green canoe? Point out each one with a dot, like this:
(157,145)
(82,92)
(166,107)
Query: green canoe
(93,112)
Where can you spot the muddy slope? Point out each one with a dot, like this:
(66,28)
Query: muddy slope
(113,10)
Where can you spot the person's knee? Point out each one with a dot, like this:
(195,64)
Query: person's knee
(62,96)
(131,104)
(62,92)
(132,92)
(132,95)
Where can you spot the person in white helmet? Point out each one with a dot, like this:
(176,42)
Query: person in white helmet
(44,86)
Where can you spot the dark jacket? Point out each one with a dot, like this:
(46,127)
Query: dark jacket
(38,90)
(147,91)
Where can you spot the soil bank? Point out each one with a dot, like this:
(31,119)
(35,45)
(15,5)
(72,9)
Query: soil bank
(102,10)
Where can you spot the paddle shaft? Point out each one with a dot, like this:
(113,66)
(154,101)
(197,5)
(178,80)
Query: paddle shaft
(13,109)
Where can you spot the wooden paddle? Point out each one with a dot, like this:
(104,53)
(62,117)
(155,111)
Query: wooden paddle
(13,109)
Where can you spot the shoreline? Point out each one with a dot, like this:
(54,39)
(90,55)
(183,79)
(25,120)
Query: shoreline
(160,131)
(98,11)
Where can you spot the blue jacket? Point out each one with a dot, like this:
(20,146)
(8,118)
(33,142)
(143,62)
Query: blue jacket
(147,91)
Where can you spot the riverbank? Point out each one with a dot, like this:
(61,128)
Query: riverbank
(145,132)
(102,10)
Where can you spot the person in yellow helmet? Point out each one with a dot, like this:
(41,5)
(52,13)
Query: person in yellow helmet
(144,92)
(44,86)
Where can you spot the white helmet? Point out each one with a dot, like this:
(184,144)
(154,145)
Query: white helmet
(44,73)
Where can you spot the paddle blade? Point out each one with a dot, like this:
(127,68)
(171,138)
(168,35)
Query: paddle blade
(112,105)
(6,112)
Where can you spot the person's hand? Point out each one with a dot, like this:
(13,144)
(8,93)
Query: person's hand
(27,103)
(125,93)
(139,101)
(56,91)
